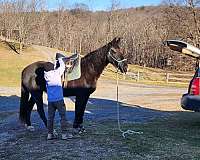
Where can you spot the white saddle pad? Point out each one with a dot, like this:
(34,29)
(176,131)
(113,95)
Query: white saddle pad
(75,71)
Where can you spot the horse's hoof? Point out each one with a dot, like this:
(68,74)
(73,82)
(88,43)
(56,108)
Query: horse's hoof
(30,128)
(79,130)
(55,133)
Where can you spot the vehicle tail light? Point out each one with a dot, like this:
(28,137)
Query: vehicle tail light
(195,88)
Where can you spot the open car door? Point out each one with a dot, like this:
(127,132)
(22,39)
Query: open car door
(190,100)
(183,48)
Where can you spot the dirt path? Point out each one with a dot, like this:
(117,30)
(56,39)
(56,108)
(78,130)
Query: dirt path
(138,103)
(49,53)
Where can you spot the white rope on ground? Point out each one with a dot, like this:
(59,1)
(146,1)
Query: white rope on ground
(129,132)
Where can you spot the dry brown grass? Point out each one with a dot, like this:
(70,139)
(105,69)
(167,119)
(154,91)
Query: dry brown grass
(12,64)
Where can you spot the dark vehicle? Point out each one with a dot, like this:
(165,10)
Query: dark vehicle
(191,100)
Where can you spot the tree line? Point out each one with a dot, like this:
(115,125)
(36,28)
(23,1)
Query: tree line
(143,28)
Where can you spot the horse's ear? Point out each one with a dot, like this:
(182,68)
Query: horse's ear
(118,40)
(115,41)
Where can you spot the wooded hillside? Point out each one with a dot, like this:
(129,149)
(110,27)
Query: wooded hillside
(143,29)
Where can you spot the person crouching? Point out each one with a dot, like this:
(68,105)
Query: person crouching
(56,100)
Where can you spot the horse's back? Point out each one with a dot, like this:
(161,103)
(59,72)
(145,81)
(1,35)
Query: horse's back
(33,75)
(39,64)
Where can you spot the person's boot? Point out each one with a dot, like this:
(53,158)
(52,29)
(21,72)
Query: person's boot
(66,136)
(51,136)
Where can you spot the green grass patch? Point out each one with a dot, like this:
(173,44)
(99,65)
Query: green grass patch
(176,137)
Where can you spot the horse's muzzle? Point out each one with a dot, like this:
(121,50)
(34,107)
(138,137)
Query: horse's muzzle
(123,67)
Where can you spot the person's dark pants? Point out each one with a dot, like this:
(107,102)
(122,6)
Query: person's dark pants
(60,106)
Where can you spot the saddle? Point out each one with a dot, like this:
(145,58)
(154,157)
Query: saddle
(73,67)
(69,61)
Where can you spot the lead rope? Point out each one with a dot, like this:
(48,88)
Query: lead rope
(129,132)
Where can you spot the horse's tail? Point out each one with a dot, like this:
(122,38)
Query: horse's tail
(23,103)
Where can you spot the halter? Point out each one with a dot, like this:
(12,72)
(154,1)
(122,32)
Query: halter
(116,60)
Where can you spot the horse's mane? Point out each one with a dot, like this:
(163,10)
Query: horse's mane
(96,59)
(96,53)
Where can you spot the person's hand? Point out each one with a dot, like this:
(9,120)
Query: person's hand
(60,59)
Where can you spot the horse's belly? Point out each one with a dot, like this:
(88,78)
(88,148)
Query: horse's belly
(81,83)
(77,91)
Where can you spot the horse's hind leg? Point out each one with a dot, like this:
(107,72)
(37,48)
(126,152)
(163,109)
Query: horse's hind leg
(40,109)
(23,104)
(80,106)
(31,103)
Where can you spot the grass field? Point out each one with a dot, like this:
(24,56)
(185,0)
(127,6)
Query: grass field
(174,138)
(151,76)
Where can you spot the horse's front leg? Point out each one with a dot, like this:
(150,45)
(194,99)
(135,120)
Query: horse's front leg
(80,105)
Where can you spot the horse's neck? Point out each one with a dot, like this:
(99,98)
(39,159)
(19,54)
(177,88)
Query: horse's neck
(97,61)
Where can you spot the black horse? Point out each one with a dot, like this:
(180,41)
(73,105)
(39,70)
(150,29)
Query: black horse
(92,65)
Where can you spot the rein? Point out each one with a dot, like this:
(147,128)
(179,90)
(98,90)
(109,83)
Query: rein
(129,132)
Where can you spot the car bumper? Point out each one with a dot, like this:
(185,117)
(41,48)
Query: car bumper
(190,102)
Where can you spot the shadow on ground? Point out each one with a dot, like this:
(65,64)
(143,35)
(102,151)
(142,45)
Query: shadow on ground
(104,109)
(97,110)
(9,103)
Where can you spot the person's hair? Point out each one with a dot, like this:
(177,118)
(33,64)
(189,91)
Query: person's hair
(57,64)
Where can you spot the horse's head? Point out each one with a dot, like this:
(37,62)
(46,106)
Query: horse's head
(115,55)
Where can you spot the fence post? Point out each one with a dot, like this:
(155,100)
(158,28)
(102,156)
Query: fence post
(138,76)
(124,76)
(167,77)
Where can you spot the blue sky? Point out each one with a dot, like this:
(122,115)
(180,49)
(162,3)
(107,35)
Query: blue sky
(101,4)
